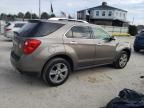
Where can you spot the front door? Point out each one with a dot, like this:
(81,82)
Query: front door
(105,48)
(81,44)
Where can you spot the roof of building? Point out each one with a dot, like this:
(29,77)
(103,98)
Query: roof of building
(104,6)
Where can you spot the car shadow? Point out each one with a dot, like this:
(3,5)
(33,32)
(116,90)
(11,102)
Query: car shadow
(88,71)
(34,81)
(12,77)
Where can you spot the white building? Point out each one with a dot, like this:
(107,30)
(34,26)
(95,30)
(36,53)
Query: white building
(104,15)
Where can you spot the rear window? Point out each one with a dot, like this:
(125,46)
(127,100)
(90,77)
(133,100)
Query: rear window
(19,25)
(38,29)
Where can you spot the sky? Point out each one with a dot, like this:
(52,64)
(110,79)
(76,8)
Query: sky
(135,8)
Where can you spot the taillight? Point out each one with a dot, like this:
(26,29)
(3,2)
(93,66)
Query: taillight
(7,29)
(30,45)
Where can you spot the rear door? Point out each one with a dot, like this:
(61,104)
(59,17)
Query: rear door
(80,43)
(105,49)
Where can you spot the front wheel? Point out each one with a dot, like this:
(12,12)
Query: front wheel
(56,72)
(122,60)
(136,49)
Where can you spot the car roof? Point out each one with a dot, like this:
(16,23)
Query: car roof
(66,23)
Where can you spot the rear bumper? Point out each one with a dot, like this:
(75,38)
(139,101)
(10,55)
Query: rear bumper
(25,64)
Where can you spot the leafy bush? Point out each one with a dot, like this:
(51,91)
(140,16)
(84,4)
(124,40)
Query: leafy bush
(133,30)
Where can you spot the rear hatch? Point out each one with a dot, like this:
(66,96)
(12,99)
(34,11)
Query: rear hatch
(33,29)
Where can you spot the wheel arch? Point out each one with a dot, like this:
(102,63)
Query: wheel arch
(128,51)
(64,56)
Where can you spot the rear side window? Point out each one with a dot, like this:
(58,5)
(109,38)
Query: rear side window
(19,25)
(82,32)
(39,29)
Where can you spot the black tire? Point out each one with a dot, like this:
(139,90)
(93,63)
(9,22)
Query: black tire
(117,64)
(136,49)
(47,69)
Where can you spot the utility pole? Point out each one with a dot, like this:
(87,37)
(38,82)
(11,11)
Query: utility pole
(39,9)
(133,20)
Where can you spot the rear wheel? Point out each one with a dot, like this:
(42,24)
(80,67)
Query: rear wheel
(122,60)
(56,72)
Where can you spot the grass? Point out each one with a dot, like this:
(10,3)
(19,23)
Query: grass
(120,34)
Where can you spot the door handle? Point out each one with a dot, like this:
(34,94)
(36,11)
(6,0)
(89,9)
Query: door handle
(73,42)
(99,44)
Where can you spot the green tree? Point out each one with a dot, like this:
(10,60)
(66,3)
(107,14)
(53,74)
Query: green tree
(10,17)
(34,16)
(27,15)
(133,30)
(3,16)
(52,15)
(45,15)
(20,15)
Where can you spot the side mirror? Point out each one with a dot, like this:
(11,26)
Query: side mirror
(113,38)
(110,38)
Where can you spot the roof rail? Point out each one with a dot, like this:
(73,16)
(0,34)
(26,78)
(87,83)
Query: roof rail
(66,19)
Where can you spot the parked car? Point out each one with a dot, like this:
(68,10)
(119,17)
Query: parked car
(11,27)
(139,42)
(55,48)
(66,19)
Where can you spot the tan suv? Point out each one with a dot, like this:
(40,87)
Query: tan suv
(55,48)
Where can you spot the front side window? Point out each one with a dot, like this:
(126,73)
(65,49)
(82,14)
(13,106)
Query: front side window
(100,33)
(79,32)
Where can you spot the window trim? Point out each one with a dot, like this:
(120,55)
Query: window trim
(90,30)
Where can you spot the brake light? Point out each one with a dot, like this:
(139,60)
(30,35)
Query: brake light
(7,29)
(30,45)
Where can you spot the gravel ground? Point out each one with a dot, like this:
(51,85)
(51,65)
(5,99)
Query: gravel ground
(91,88)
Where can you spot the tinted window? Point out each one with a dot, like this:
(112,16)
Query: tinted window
(19,25)
(100,34)
(141,34)
(38,29)
(79,32)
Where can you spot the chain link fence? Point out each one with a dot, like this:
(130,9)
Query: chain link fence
(116,31)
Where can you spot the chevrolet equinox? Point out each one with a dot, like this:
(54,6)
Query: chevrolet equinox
(53,49)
